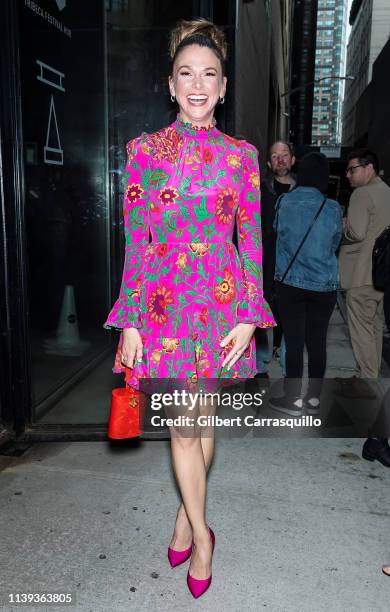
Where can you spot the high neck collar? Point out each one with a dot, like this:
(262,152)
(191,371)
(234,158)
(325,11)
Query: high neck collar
(185,128)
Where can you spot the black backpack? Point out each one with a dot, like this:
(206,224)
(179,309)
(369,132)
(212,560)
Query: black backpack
(381,260)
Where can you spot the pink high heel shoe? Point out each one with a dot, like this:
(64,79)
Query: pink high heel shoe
(177,557)
(198,587)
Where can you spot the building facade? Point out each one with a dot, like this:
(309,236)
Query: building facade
(370,21)
(300,98)
(329,62)
(378,111)
(262,71)
(372,127)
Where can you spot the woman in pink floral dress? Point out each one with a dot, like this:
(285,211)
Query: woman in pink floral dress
(189,302)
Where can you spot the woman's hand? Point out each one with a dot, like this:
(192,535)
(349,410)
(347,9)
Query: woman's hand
(242,334)
(131,346)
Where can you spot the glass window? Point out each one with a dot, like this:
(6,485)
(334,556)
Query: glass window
(66,207)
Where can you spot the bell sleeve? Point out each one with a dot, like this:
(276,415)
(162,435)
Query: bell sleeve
(126,311)
(252,307)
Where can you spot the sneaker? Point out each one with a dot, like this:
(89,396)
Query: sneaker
(312,405)
(287,405)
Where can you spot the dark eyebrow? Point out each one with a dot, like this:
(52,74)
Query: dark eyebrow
(186,66)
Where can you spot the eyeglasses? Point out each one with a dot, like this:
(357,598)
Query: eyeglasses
(351,169)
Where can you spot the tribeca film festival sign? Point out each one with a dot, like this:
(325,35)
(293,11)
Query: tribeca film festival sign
(53,79)
(61,4)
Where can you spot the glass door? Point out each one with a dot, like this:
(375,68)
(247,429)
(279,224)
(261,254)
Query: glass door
(66,209)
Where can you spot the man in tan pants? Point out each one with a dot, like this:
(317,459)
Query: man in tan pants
(368,215)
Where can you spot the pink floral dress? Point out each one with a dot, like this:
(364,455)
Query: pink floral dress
(188,287)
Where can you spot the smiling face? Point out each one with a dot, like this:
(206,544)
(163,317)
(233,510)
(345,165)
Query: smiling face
(197,83)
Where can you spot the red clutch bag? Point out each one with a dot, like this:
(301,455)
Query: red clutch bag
(126,413)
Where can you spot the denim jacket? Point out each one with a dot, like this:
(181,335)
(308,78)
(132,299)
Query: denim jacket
(316,266)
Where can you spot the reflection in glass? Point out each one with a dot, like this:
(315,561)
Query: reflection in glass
(66,220)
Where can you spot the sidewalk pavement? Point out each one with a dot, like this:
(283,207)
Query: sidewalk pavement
(301,525)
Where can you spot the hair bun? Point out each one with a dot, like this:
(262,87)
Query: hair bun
(185,29)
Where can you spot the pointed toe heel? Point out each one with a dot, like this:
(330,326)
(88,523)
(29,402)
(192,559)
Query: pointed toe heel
(199,587)
(177,557)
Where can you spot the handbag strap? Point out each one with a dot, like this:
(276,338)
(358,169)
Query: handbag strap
(303,239)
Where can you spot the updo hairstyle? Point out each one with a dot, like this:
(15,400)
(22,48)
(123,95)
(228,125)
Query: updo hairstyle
(198,32)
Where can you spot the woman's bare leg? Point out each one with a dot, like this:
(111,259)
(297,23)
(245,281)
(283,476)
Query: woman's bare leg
(191,457)
(182,535)
(190,471)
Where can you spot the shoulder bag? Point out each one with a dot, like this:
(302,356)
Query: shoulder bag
(274,295)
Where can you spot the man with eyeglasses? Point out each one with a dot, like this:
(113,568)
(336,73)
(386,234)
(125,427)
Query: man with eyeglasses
(368,215)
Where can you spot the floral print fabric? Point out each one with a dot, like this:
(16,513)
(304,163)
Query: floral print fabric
(188,287)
